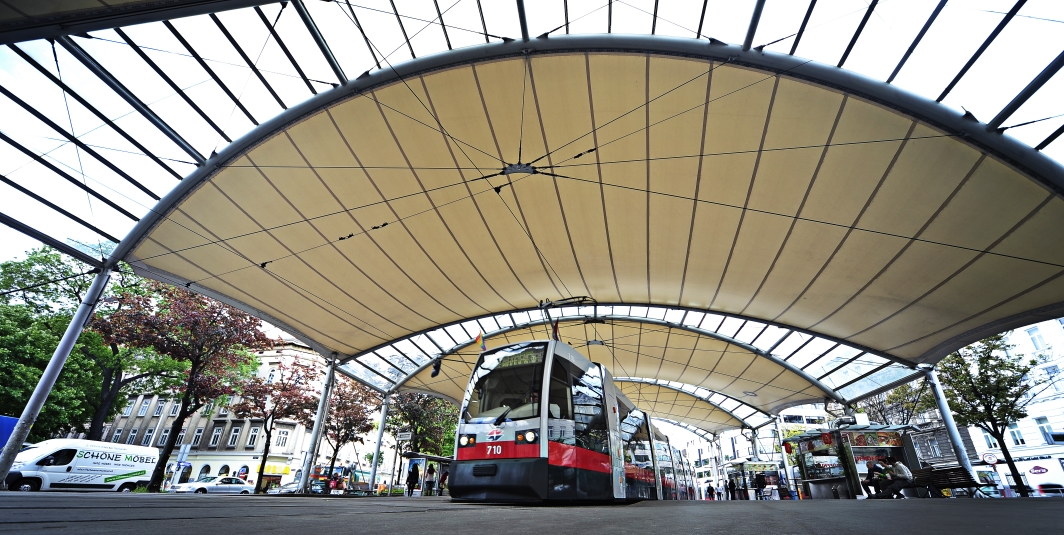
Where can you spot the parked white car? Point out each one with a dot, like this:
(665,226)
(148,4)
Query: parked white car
(81,465)
(214,485)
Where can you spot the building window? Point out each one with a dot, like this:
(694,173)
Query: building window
(215,437)
(1017,436)
(208,408)
(282,438)
(991,442)
(163,435)
(148,433)
(932,446)
(224,411)
(815,420)
(273,373)
(1053,377)
(791,419)
(1045,428)
(1036,339)
(118,435)
(132,436)
(197,436)
(144,407)
(234,436)
(129,407)
(180,437)
(175,408)
(159,407)
(224,470)
(253,437)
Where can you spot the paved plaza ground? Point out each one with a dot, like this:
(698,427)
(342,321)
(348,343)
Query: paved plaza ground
(201,515)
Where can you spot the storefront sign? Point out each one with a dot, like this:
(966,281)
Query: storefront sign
(990,458)
(1034,458)
(1038,470)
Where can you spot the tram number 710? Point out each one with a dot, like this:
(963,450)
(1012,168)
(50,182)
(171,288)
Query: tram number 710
(494,449)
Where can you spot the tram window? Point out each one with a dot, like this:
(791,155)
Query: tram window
(508,382)
(560,397)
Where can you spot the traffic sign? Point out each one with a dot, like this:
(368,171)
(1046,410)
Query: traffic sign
(990,458)
(404,436)
(183,464)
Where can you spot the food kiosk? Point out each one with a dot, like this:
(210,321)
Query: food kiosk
(832,461)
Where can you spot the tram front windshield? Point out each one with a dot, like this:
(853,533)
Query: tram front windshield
(507,381)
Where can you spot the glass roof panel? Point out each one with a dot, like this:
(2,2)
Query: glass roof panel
(892,373)
(860,367)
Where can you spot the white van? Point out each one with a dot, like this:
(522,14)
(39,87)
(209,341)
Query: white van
(72,464)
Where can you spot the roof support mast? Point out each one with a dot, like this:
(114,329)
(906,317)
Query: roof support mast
(325,51)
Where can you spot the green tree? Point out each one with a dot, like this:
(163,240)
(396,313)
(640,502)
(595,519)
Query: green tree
(26,345)
(51,285)
(432,421)
(989,388)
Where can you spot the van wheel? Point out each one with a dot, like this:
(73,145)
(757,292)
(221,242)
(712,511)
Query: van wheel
(26,485)
(128,487)
(201,491)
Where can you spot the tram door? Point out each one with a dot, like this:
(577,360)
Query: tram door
(580,464)
(616,447)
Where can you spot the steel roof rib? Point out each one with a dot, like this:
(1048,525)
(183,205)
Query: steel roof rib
(1027,92)
(210,72)
(801,29)
(1052,137)
(106,120)
(982,48)
(40,159)
(402,28)
(128,96)
(48,240)
(320,41)
(919,37)
(362,31)
(176,88)
(522,19)
(57,208)
(284,48)
(73,139)
(857,34)
(251,64)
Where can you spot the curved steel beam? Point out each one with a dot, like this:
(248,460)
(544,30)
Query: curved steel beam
(694,429)
(653,382)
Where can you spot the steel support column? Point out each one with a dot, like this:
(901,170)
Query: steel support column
(319,420)
(377,448)
(755,18)
(51,373)
(947,418)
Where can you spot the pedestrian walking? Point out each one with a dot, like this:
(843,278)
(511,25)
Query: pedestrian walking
(412,478)
(731,489)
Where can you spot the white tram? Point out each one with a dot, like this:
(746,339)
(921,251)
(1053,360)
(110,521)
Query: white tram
(541,422)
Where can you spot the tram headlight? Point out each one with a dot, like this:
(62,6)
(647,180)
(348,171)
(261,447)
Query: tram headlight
(526,437)
(464,441)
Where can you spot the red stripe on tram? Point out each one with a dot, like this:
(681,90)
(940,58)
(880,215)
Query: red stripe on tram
(576,457)
(498,450)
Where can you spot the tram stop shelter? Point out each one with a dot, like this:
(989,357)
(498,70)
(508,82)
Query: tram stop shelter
(422,461)
(729,227)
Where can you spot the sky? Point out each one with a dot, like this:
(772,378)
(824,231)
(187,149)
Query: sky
(1029,43)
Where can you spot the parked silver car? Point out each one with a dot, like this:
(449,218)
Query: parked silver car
(214,485)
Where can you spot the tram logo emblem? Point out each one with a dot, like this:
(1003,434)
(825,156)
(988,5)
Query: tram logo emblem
(495,434)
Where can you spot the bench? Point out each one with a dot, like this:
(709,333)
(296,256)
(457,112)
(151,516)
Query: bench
(936,479)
